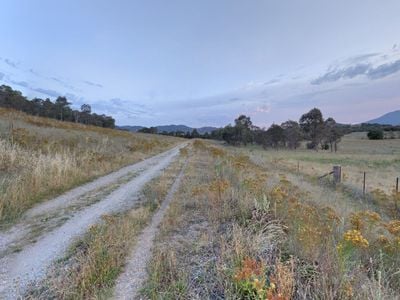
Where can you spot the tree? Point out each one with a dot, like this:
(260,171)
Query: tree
(243,126)
(217,134)
(260,137)
(62,108)
(86,108)
(312,123)
(230,135)
(195,134)
(275,136)
(293,134)
(332,133)
(375,134)
(152,130)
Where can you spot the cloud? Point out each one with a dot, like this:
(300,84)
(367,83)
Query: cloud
(336,74)
(20,83)
(371,71)
(57,80)
(47,92)
(2,75)
(266,108)
(122,107)
(272,81)
(93,84)
(384,70)
(32,71)
(361,58)
(11,63)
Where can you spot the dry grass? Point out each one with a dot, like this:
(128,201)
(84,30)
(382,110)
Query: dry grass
(95,261)
(241,230)
(379,159)
(41,158)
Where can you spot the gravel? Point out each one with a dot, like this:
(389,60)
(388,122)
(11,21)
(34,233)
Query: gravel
(23,269)
(134,275)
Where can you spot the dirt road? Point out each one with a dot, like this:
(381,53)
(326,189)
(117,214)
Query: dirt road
(134,275)
(26,265)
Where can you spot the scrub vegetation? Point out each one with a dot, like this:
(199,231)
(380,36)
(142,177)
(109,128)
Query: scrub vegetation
(245,227)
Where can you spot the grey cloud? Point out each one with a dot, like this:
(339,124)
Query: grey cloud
(117,105)
(63,83)
(2,75)
(122,102)
(11,63)
(56,80)
(359,69)
(361,58)
(349,72)
(32,71)
(272,81)
(93,84)
(20,83)
(384,70)
(50,93)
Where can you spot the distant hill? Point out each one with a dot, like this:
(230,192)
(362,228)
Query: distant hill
(391,118)
(171,128)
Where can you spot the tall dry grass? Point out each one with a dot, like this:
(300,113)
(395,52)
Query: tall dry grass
(41,158)
(238,230)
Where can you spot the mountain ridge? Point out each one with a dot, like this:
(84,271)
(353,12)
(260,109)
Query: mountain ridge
(390,118)
(171,128)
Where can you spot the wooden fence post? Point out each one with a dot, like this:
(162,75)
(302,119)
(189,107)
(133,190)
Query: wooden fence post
(337,174)
(396,197)
(364,184)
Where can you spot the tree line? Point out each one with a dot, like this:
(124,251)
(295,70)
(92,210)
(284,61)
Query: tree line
(59,109)
(320,133)
(184,134)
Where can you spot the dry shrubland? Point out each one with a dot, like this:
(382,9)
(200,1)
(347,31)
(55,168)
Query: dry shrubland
(41,158)
(238,229)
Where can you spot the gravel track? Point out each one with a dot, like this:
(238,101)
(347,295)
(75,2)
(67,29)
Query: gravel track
(19,270)
(68,199)
(131,280)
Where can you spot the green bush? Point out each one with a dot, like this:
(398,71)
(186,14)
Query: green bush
(375,134)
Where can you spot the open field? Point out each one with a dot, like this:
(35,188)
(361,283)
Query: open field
(379,159)
(40,158)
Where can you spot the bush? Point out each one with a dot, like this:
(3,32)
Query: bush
(310,145)
(375,134)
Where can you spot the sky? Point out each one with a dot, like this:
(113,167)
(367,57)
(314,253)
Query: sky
(202,63)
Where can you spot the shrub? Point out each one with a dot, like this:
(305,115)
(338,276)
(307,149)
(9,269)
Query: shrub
(375,134)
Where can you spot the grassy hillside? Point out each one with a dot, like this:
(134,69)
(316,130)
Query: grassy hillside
(41,158)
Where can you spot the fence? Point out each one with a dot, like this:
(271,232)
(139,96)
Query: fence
(337,178)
